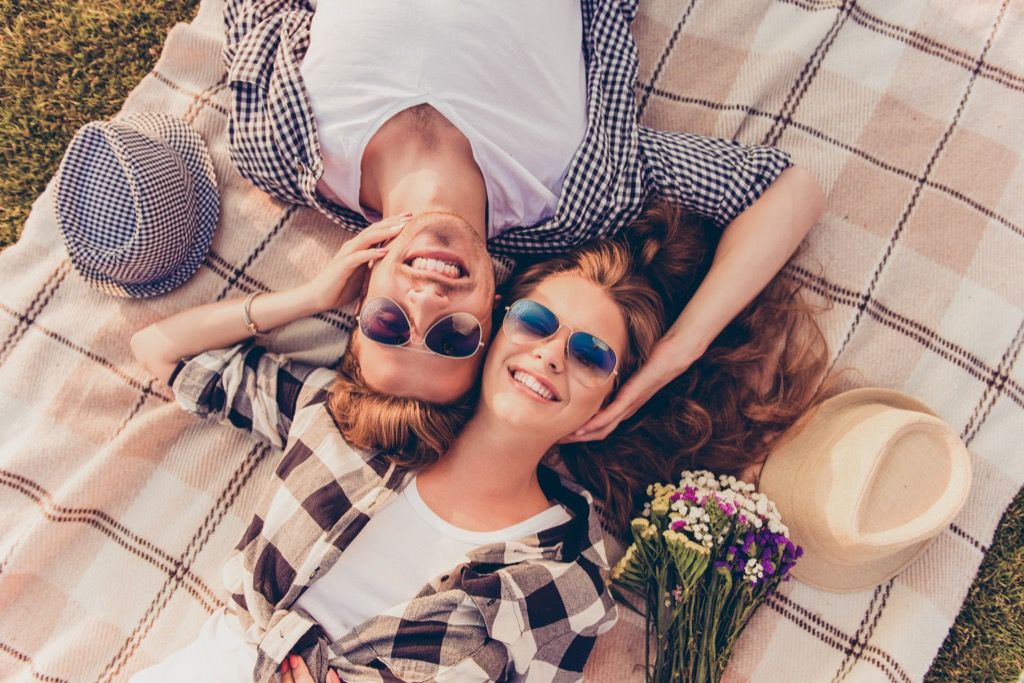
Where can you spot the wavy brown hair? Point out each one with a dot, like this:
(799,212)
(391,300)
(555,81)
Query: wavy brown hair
(724,412)
(411,433)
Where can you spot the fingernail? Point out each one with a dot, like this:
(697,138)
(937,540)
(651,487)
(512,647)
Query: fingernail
(293,660)
(581,432)
(399,226)
(285,665)
(407,214)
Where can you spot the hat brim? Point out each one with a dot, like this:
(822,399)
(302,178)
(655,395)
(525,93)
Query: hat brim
(784,467)
(192,150)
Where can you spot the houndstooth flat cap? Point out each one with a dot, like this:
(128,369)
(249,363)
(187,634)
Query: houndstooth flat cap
(137,203)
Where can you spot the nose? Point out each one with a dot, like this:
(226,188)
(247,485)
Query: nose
(426,303)
(551,351)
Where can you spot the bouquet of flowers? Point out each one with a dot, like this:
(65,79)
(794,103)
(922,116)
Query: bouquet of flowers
(705,555)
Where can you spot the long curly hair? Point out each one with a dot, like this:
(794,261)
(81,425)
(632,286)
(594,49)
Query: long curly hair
(725,411)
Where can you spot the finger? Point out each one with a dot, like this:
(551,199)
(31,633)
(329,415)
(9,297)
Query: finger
(333,677)
(377,233)
(298,668)
(612,413)
(286,672)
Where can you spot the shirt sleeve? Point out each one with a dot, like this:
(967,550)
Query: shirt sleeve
(250,388)
(713,177)
(560,660)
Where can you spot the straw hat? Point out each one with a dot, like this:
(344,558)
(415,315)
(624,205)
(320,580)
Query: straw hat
(865,482)
(137,203)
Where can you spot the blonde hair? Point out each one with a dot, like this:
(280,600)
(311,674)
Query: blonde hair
(410,432)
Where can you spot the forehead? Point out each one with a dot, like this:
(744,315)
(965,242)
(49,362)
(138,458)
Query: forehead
(583,305)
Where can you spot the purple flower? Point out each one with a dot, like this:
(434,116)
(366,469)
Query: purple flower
(689,494)
(675,496)
(743,519)
(768,567)
(678,525)
(748,540)
(721,563)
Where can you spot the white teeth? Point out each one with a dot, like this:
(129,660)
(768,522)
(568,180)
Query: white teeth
(437,266)
(532,384)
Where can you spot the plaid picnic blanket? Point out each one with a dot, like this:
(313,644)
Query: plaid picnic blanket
(118,508)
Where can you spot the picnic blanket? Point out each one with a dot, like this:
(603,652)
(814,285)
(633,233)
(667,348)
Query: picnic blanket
(118,508)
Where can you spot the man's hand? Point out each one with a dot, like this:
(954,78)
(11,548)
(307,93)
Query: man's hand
(341,280)
(293,670)
(668,360)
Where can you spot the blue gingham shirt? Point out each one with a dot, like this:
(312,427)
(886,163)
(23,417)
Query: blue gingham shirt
(617,168)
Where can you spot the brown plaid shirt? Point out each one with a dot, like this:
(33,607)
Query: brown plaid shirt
(526,610)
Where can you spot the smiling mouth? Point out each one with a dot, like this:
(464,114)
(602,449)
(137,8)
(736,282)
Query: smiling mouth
(532,384)
(437,264)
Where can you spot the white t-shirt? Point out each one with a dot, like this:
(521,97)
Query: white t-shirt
(403,546)
(509,75)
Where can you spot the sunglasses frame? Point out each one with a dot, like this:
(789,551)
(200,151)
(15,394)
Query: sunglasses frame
(572,331)
(408,344)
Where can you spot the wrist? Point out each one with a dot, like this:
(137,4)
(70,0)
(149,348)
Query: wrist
(309,300)
(686,348)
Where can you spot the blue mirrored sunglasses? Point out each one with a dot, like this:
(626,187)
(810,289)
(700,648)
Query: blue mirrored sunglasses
(456,335)
(591,360)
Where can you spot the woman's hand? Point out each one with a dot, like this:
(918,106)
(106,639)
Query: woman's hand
(341,280)
(293,670)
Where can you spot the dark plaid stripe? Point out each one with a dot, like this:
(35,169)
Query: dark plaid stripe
(835,638)
(865,630)
(25,659)
(239,478)
(35,307)
(911,205)
(219,108)
(288,213)
(137,545)
(665,54)
(919,41)
(806,76)
(92,356)
(922,334)
(994,387)
(839,144)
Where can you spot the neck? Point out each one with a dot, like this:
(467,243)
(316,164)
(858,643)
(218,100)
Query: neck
(492,463)
(402,173)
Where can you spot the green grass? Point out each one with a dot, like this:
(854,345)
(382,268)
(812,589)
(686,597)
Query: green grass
(64,63)
(987,641)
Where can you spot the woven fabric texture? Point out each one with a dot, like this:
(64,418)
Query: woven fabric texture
(119,508)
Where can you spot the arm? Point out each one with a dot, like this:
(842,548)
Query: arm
(753,249)
(160,346)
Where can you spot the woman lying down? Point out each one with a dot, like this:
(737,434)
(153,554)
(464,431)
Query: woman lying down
(462,556)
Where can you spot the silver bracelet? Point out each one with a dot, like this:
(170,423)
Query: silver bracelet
(246,316)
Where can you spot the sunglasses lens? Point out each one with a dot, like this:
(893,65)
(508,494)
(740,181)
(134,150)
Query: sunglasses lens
(593,361)
(457,335)
(382,321)
(528,321)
